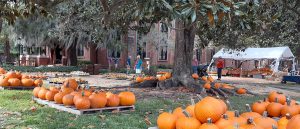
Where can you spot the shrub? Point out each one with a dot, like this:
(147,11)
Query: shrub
(42,68)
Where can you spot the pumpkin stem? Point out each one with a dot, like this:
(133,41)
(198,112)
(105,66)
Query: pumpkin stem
(209,121)
(276,100)
(225,116)
(274,127)
(236,113)
(250,120)
(186,113)
(228,104)
(236,125)
(192,101)
(288,101)
(265,114)
(288,116)
(248,108)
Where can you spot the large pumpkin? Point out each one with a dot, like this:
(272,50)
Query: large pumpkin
(274,109)
(83,103)
(265,121)
(166,121)
(289,109)
(251,125)
(68,100)
(72,83)
(50,95)
(178,112)
(4,81)
(127,98)
(59,97)
(277,95)
(42,93)
(67,89)
(208,107)
(187,122)
(259,107)
(27,82)
(35,91)
(112,100)
(14,82)
(208,125)
(98,100)
(294,123)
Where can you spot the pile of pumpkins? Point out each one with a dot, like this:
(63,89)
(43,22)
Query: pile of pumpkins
(161,76)
(71,95)
(13,78)
(212,113)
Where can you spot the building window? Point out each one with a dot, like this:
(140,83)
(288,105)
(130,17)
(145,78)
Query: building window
(163,27)
(80,50)
(112,53)
(163,50)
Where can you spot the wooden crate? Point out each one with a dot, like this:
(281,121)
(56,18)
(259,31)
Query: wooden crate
(73,110)
(18,87)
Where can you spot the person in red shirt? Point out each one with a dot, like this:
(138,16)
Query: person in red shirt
(220,66)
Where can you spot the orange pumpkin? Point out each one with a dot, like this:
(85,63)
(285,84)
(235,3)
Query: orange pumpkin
(223,122)
(208,125)
(265,121)
(250,114)
(230,114)
(11,74)
(236,126)
(204,78)
(19,75)
(127,98)
(98,100)
(50,95)
(226,86)
(168,75)
(207,85)
(67,89)
(112,100)
(283,121)
(147,78)
(224,106)
(241,91)
(208,107)
(139,79)
(178,112)
(4,81)
(59,97)
(38,82)
(36,91)
(162,78)
(210,79)
(259,107)
(72,83)
(14,82)
(42,93)
(289,109)
(2,71)
(195,76)
(68,100)
(218,85)
(274,109)
(238,119)
(280,97)
(27,82)
(251,125)
(187,122)
(294,123)
(83,103)
(166,121)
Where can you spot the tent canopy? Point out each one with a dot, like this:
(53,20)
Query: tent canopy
(256,53)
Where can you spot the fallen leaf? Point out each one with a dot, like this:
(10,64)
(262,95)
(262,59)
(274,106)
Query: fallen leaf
(91,126)
(148,122)
(102,117)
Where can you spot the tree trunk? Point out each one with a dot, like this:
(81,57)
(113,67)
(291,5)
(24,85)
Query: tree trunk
(1,21)
(7,50)
(72,55)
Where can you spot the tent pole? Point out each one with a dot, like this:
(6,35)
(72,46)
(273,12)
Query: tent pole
(208,69)
(293,67)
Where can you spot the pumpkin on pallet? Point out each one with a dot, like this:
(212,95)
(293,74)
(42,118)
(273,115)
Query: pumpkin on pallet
(241,91)
(139,79)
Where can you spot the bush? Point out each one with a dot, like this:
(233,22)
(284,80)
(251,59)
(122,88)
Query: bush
(84,62)
(165,66)
(42,68)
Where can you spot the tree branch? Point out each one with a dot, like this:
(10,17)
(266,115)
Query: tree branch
(285,5)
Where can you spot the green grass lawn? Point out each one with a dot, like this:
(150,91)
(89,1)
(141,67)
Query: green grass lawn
(48,118)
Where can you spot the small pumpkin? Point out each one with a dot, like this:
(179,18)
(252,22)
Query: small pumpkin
(274,109)
(195,76)
(4,81)
(42,93)
(98,100)
(139,79)
(112,100)
(72,83)
(168,75)
(83,102)
(187,122)
(251,125)
(226,86)
(59,97)
(36,91)
(127,98)
(281,98)
(66,89)
(166,121)
(68,100)
(38,82)
(250,113)
(223,122)
(204,78)
(241,91)
(27,82)
(265,121)
(289,109)
(14,82)
(218,85)
(238,119)
(207,85)
(191,108)
(210,79)
(294,123)
(178,112)
(283,121)
(162,78)
(50,95)
(259,107)
(11,74)
(208,125)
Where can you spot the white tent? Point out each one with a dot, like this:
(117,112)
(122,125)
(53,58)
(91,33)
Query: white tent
(277,53)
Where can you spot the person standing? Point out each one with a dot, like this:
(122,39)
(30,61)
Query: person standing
(138,65)
(220,66)
(128,64)
(195,64)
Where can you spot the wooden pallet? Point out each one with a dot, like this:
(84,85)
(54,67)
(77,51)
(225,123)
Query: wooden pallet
(18,87)
(73,110)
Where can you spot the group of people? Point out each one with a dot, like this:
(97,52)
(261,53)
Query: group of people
(137,66)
